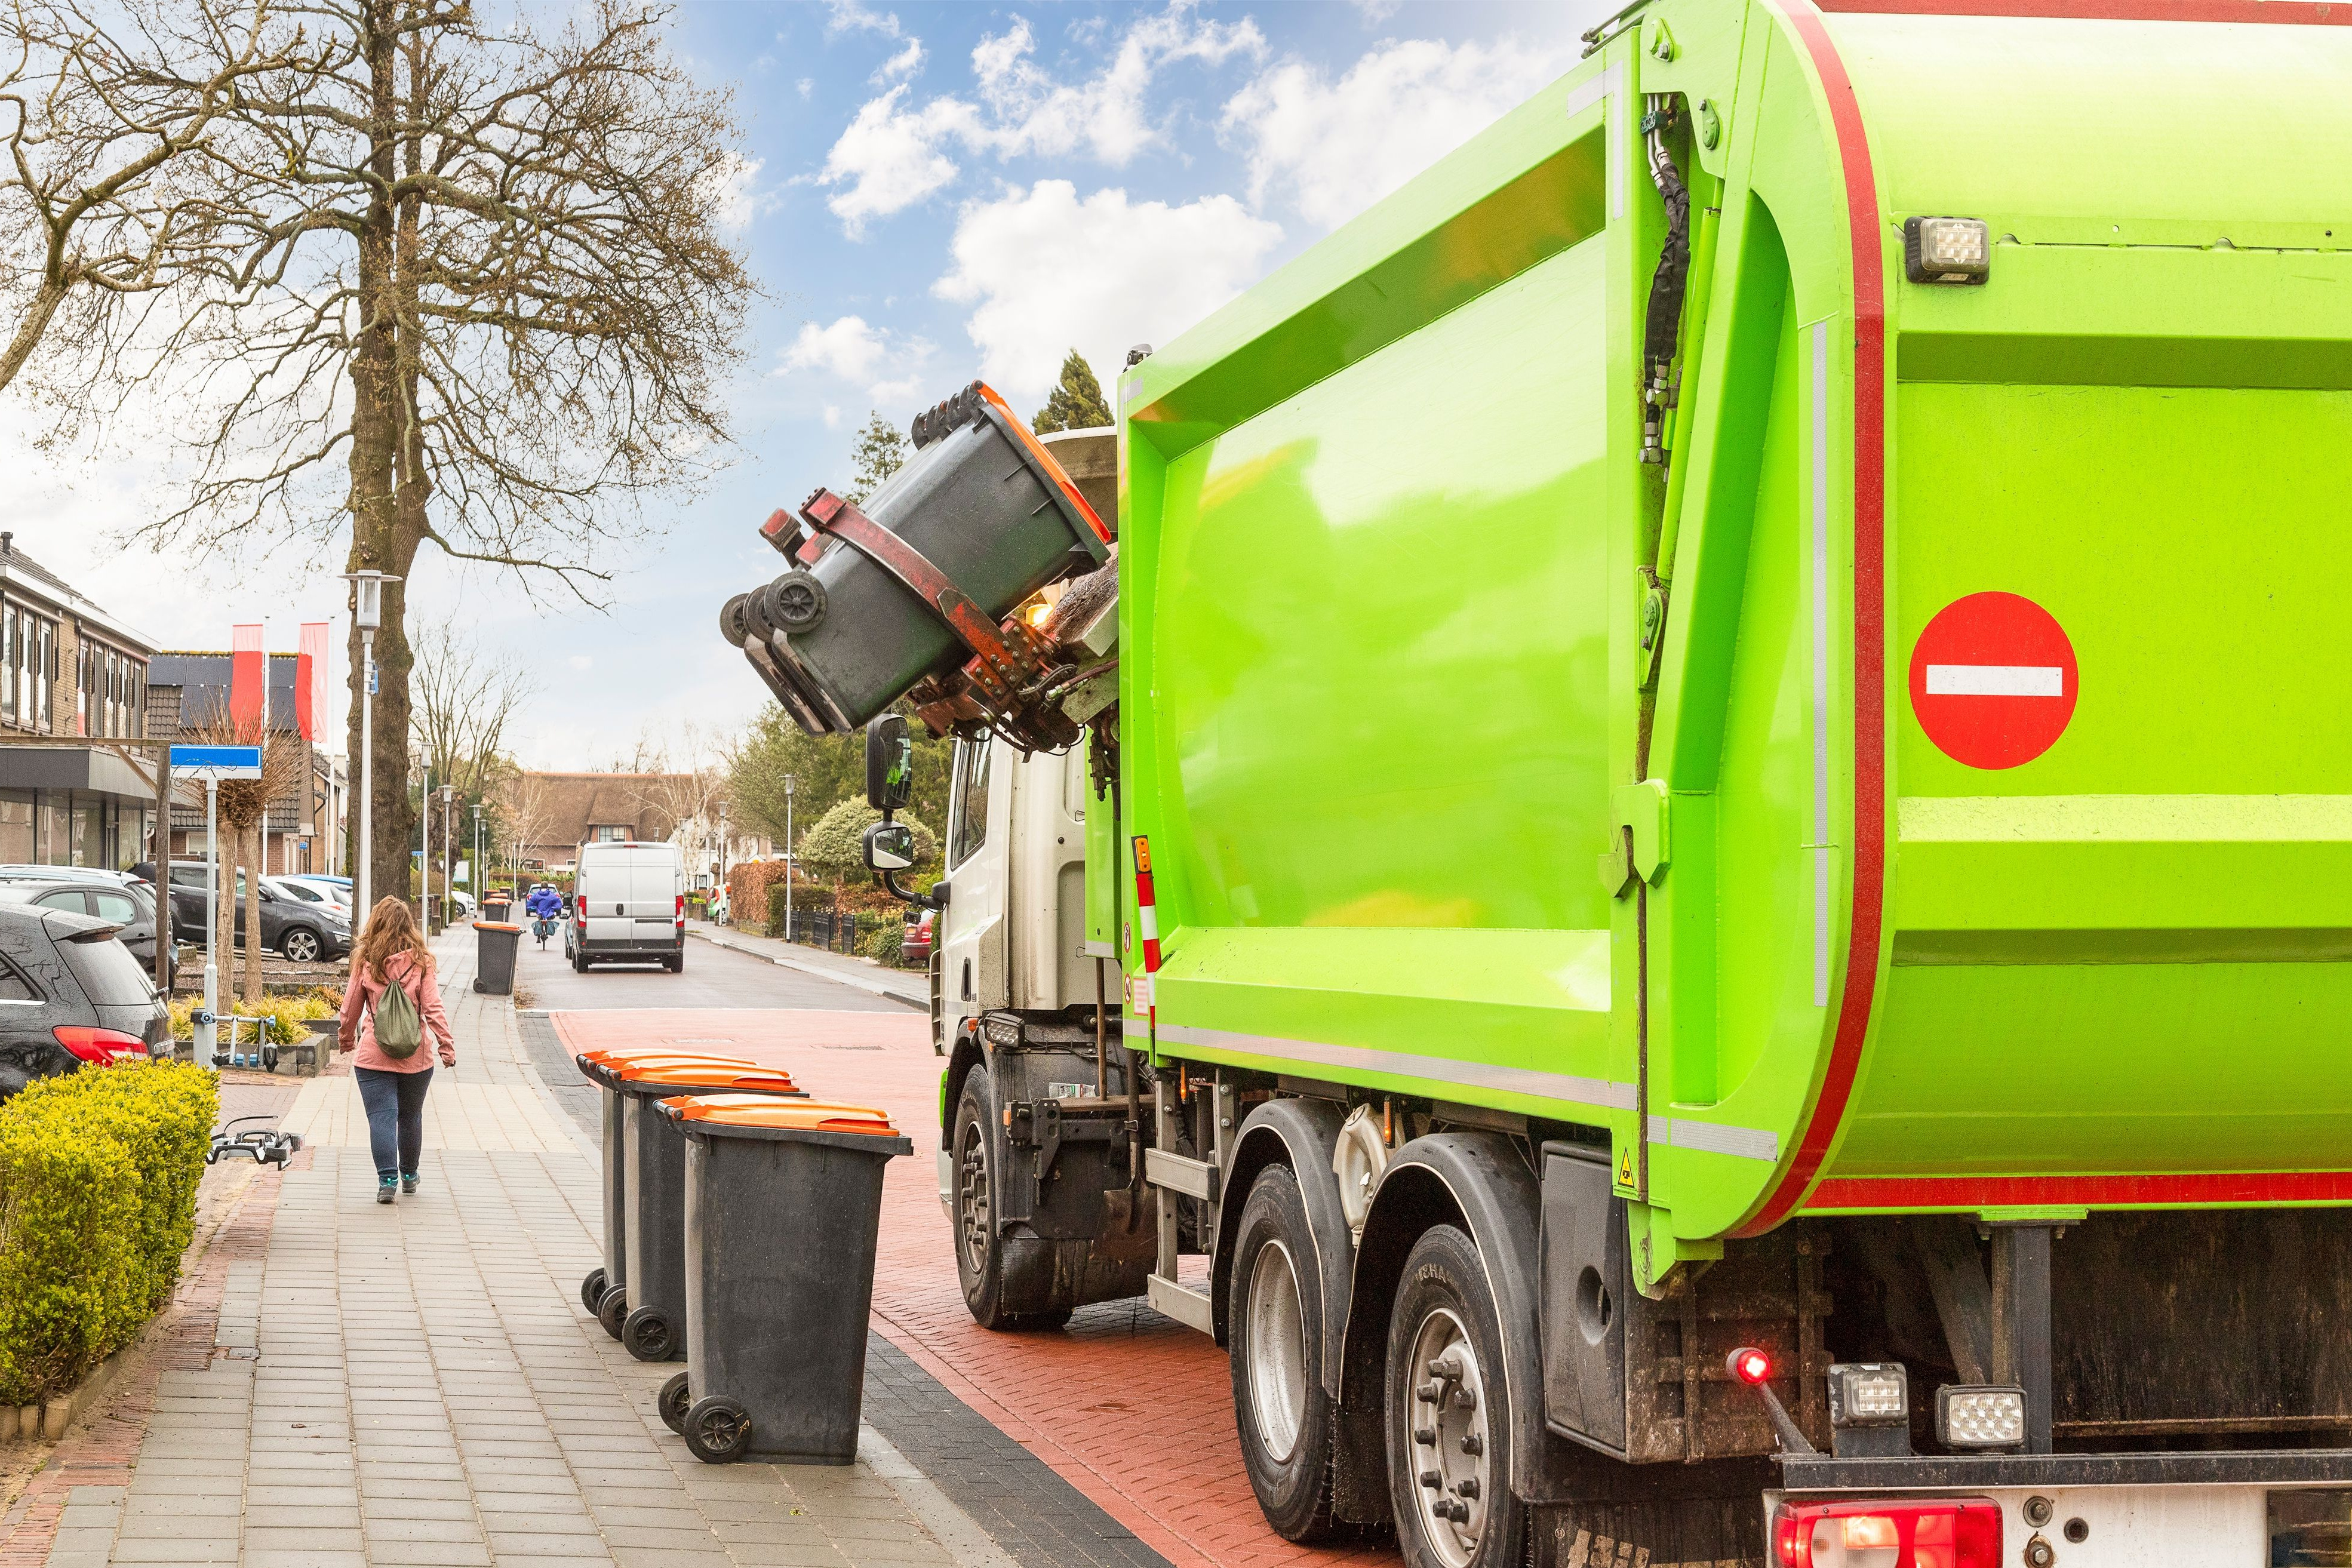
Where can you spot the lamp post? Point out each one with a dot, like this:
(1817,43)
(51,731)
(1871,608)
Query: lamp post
(424,853)
(480,880)
(722,855)
(367,614)
(448,811)
(790,858)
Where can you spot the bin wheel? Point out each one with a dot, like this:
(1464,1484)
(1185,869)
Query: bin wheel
(646,1334)
(591,1289)
(673,1402)
(718,1429)
(269,1058)
(732,626)
(613,1309)
(478,985)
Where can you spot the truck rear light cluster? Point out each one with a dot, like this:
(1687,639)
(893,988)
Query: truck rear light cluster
(681,911)
(1947,250)
(1960,1533)
(1980,1417)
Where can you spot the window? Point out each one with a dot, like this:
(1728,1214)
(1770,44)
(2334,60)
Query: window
(13,986)
(189,876)
(608,834)
(968,811)
(116,906)
(65,899)
(8,662)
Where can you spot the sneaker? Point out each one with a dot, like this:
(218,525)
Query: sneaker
(383,1190)
(408,1182)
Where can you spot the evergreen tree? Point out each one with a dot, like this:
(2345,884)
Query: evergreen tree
(1077,400)
(880,452)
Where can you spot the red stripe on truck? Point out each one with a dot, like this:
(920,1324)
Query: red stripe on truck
(2292,13)
(2232,1188)
(1869,622)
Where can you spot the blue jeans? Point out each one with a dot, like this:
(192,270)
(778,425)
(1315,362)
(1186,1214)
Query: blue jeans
(395,1113)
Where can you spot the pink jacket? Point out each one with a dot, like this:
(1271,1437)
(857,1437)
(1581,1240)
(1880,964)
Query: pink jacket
(359,1014)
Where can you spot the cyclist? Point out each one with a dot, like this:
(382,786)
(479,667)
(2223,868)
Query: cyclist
(545,904)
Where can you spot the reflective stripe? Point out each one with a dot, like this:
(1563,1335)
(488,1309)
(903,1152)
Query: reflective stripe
(1715,1137)
(1361,1059)
(1584,95)
(1820,664)
(1147,920)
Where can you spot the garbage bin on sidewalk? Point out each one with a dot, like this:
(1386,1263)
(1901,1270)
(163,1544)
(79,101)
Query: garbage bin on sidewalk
(495,943)
(653,1161)
(496,905)
(783,1209)
(611,1278)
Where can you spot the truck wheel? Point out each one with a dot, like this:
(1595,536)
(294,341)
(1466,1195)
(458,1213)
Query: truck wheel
(1273,1322)
(1448,1413)
(579,961)
(979,1244)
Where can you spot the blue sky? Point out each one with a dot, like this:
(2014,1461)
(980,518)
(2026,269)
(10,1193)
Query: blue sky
(930,191)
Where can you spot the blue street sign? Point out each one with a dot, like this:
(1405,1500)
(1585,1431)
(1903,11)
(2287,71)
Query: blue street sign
(373,689)
(217,762)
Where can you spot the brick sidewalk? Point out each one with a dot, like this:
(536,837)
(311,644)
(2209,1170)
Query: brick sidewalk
(910,986)
(349,1383)
(1133,1409)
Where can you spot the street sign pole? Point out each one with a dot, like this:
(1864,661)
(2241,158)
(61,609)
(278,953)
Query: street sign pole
(360,905)
(212,764)
(204,1041)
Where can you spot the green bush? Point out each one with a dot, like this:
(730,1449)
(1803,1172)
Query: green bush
(881,934)
(97,1199)
(775,926)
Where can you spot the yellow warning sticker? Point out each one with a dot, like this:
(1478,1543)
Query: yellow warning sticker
(1625,1166)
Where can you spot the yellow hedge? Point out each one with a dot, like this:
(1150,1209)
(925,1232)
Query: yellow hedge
(287,1015)
(98,1201)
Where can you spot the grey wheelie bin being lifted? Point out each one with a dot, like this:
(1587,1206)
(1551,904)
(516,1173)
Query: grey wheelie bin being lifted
(653,1161)
(599,1066)
(783,1207)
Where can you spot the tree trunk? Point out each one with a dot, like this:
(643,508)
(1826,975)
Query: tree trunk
(258,843)
(224,937)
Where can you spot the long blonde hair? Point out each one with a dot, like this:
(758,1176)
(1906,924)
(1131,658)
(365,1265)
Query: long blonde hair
(391,928)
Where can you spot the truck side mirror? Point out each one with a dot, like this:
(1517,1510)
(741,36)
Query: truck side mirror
(889,847)
(889,768)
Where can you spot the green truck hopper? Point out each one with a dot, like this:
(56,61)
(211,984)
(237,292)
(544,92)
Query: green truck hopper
(1729,736)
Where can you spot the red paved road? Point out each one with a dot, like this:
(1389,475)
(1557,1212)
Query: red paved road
(1134,1411)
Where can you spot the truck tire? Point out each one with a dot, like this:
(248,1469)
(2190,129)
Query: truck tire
(1281,1414)
(1448,1413)
(979,1248)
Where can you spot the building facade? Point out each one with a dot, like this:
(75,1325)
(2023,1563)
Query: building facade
(69,669)
(305,827)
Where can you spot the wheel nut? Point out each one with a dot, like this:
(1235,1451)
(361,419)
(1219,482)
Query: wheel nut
(1472,1444)
(1431,1479)
(1427,1392)
(1468,1487)
(1426,1434)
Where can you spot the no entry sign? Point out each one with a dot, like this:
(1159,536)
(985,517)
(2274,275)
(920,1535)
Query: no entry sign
(1993,680)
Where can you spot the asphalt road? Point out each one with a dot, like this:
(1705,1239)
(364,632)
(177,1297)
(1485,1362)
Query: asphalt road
(714,977)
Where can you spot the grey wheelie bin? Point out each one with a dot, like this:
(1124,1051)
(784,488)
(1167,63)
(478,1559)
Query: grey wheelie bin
(607,1281)
(495,942)
(652,1327)
(784,1207)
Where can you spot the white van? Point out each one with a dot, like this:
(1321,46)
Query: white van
(628,902)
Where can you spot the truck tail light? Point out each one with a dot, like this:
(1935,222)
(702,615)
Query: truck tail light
(1959,1532)
(104,1047)
(581,907)
(681,911)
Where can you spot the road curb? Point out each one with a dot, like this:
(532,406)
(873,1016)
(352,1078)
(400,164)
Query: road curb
(901,992)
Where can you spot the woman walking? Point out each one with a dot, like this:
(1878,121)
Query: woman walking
(392,1011)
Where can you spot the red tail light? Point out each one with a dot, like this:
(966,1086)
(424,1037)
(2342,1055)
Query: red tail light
(1959,1532)
(104,1047)
(581,900)
(681,911)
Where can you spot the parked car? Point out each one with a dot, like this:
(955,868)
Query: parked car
(72,873)
(70,995)
(131,906)
(628,902)
(915,948)
(303,933)
(314,890)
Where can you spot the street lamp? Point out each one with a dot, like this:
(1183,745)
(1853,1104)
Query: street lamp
(448,814)
(482,878)
(367,614)
(722,854)
(789,860)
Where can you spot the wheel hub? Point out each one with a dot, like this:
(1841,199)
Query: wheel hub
(1447,1438)
(1277,1351)
(972,1198)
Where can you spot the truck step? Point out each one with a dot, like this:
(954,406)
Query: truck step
(1194,1178)
(1187,1306)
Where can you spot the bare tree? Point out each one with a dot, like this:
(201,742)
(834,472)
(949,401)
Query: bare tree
(488,306)
(112,191)
(522,809)
(684,786)
(462,703)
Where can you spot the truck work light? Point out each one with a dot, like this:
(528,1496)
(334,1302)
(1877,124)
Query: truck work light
(1947,250)
(1870,1409)
(1980,1417)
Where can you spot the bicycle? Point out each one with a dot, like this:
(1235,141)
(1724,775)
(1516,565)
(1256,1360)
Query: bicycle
(543,927)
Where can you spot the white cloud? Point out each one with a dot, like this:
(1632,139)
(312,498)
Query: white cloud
(890,158)
(1334,148)
(854,16)
(895,153)
(849,351)
(1045,272)
(739,198)
(581,661)
(832,415)
(805,86)
(906,62)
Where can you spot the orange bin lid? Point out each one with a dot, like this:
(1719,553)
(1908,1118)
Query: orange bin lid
(781,1115)
(669,1073)
(609,1059)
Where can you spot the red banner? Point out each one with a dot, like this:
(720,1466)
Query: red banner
(248,675)
(310,681)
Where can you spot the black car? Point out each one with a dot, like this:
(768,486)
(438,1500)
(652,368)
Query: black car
(306,933)
(70,994)
(130,907)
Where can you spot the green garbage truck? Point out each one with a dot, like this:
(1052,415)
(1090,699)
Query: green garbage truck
(1681,849)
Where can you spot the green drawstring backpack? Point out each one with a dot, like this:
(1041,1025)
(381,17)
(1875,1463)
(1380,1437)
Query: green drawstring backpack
(399,1027)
